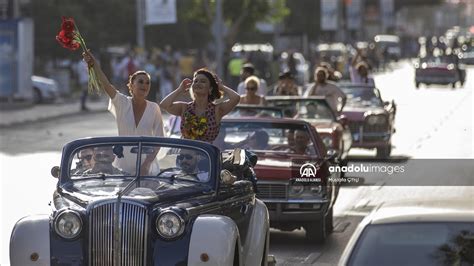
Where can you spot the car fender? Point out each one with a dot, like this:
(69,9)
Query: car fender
(216,236)
(255,242)
(29,242)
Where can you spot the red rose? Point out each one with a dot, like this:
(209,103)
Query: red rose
(66,39)
(68,24)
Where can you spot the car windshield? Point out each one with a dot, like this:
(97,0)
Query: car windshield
(311,109)
(447,243)
(362,96)
(266,137)
(437,59)
(254,111)
(120,161)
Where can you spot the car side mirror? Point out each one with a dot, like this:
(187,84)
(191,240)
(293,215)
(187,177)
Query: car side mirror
(55,171)
(227,178)
(386,103)
(343,120)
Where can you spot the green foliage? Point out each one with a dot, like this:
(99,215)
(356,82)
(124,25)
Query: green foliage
(113,22)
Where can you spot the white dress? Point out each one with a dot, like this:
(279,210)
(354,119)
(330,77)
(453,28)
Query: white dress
(151,124)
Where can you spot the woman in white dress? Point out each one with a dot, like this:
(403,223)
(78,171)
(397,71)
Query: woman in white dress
(135,116)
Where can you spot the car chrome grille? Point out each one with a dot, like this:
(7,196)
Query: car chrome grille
(124,240)
(271,191)
(355,128)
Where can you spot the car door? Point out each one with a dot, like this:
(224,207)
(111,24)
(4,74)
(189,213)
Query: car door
(237,202)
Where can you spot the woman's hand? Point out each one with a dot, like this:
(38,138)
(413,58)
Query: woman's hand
(185,85)
(89,58)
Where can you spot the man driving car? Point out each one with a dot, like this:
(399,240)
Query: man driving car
(188,160)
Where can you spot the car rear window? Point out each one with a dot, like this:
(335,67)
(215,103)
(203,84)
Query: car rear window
(448,243)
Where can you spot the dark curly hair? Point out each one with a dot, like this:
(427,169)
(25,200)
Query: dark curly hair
(215,92)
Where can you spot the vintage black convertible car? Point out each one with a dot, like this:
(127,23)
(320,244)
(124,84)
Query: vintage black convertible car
(145,201)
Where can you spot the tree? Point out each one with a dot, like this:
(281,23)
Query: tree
(239,15)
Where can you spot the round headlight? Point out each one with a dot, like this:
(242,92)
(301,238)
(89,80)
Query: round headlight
(68,224)
(169,225)
(376,119)
(327,141)
(316,189)
(296,189)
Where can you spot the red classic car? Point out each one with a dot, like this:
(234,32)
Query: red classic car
(334,130)
(292,170)
(371,119)
(439,70)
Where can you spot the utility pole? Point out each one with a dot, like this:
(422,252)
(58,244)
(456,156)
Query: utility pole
(219,38)
(140,23)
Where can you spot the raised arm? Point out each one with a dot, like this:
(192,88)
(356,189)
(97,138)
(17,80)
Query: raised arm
(168,103)
(92,62)
(227,106)
(356,57)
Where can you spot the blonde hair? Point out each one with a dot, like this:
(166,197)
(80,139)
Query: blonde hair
(252,79)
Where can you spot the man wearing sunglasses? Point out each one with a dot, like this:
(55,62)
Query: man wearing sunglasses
(86,161)
(103,157)
(189,162)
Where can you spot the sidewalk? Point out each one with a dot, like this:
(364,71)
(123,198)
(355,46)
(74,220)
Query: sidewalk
(31,113)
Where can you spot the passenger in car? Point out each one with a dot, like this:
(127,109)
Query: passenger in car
(335,97)
(200,118)
(86,161)
(135,115)
(286,85)
(302,141)
(103,157)
(257,140)
(252,85)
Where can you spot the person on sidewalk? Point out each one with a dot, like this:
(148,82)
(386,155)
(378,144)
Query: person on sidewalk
(135,116)
(200,118)
(83,78)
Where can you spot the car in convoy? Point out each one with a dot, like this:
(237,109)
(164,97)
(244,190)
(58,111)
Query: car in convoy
(184,208)
(286,148)
(439,70)
(466,55)
(414,233)
(389,45)
(371,120)
(44,89)
(333,130)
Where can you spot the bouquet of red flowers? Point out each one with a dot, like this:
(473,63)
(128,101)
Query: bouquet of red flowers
(69,37)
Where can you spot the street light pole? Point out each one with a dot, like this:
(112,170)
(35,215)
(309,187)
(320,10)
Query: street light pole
(140,23)
(219,38)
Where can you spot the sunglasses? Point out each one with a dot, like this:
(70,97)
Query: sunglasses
(252,88)
(184,156)
(86,157)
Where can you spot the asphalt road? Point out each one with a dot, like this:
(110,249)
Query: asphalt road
(432,123)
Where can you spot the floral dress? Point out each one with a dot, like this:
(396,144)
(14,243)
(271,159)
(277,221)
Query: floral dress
(196,127)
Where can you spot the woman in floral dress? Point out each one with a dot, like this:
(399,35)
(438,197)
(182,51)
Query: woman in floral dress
(200,118)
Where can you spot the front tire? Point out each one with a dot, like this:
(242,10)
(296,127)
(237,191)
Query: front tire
(316,232)
(417,85)
(329,222)
(37,97)
(384,152)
